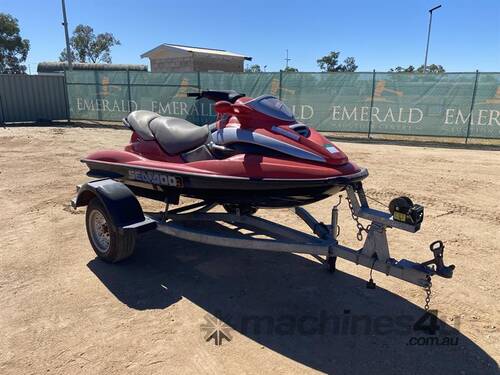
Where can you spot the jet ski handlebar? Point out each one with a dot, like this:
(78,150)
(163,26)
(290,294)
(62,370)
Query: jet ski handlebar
(217,95)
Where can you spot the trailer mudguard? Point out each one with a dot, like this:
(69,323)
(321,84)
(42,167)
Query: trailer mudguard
(120,202)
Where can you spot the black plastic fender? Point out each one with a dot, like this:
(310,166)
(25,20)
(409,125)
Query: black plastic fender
(119,201)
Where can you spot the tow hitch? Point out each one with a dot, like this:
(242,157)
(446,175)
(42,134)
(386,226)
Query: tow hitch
(437,249)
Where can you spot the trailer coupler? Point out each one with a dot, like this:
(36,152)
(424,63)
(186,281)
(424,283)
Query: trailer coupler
(437,248)
(375,251)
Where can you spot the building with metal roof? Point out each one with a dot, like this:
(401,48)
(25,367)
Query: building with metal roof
(180,58)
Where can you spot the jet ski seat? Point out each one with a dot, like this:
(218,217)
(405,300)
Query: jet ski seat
(174,135)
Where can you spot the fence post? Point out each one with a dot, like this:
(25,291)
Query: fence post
(97,95)
(129,91)
(2,114)
(66,97)
(371,105)
(471,107)
(198,75)
(281,80)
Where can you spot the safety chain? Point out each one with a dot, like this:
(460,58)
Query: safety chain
(428,292)
(361,227)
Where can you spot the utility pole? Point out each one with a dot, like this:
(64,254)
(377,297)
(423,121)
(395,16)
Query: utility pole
(287,59)
(429,36)
(65,24)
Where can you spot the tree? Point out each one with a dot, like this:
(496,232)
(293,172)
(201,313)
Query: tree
(13,49)
(86,47)
(350,65)
(253,69)
(290,69)
(433,68)
(400,69)
(330,63)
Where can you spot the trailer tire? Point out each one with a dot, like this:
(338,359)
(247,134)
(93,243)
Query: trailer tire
(109,243)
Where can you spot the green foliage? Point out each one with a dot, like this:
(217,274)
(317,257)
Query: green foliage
(253,69)
(330,63)
(433,68)
(290,69)
(13,49)
(86,47)
(400,69)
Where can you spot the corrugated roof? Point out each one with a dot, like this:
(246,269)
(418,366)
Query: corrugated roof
(211,51)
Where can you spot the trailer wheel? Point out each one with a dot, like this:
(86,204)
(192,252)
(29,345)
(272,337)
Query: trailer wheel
(108,243)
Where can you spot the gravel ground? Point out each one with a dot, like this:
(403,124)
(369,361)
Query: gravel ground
(63,311)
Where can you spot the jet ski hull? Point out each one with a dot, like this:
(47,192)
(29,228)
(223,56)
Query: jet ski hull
(162,184)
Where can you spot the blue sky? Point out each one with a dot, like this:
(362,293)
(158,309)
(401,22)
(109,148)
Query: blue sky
(379,34)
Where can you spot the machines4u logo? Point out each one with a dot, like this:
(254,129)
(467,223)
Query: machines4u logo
(155,178)
(216,330)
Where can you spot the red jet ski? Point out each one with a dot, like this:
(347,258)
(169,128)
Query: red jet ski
(255,155)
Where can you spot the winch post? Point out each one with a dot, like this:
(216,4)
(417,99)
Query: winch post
(376,244)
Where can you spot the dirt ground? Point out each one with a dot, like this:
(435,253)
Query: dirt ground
(63,311)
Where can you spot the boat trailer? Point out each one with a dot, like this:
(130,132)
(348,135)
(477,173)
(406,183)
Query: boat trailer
(126,215)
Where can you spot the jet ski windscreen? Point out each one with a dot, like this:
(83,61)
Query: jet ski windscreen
(271,106)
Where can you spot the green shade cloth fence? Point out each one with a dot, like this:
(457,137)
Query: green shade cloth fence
(445,105)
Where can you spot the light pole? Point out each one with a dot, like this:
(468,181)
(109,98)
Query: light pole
(287,59)
(65,24)
(429,36)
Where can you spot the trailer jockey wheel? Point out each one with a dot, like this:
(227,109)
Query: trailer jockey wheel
(109,244)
